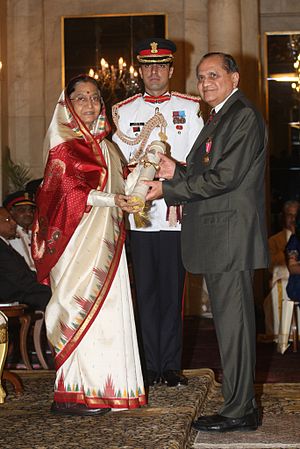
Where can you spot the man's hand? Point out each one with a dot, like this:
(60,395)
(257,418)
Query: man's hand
(155,190)
(167,167)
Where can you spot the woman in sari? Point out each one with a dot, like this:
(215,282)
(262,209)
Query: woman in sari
(78,248)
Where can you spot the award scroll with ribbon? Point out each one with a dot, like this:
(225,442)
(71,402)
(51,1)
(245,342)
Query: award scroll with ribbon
(144,171)
(144,160)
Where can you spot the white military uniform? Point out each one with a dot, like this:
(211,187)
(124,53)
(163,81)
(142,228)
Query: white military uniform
(183,126)
(156,253)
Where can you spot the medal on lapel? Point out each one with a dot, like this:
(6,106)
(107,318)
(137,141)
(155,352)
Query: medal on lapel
(208,145)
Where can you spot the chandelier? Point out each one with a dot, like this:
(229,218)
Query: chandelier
(296,85)
(294,46)
(116,83)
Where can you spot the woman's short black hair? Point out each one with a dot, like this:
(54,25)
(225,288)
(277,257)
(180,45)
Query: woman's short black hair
(83,78)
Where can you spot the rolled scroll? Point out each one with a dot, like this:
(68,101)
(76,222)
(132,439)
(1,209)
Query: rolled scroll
(144,171)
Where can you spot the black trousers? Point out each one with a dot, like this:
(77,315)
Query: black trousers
(159,281)
(232,303)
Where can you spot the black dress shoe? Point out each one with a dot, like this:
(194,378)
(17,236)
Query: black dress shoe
(71,408)
(219,423)
(174,378)
(152,378)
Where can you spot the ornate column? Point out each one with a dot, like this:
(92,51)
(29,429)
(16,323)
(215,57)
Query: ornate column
(195,41)
(233,27)
(3,95)
(224,26)
(26,67)
(251,60)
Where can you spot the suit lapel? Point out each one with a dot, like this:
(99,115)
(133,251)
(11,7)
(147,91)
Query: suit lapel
(9,248)
(3,244)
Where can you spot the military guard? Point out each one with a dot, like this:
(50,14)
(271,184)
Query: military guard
(21,206)
(159,275)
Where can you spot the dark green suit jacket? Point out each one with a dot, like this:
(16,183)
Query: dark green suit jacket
(222,189)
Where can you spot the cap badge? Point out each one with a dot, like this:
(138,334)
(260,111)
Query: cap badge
(153,46)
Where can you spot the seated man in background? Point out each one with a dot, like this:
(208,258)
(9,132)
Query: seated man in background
(21,206)
(17,281)
(279,271)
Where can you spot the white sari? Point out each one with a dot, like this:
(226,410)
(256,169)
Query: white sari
(79,244)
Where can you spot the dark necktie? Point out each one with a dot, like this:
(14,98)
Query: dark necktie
(159,99)
(211,116)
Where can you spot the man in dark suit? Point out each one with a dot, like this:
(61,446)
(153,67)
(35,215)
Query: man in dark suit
(17,281)
(223,229)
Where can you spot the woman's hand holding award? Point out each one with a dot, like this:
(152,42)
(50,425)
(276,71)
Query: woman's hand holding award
(145,170)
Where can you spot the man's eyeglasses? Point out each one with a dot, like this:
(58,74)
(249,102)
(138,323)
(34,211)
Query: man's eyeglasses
(83,100)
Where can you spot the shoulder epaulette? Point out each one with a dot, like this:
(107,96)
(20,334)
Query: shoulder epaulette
(127,101)
(186,96)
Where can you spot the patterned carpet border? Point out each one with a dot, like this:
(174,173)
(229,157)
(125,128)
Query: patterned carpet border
(26,422)
(280,405)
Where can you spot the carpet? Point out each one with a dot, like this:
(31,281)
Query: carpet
(280,405)
(26,422)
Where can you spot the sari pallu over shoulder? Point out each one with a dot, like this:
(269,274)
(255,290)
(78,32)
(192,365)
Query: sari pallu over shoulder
(75,165)
(98,248)
(70,174)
